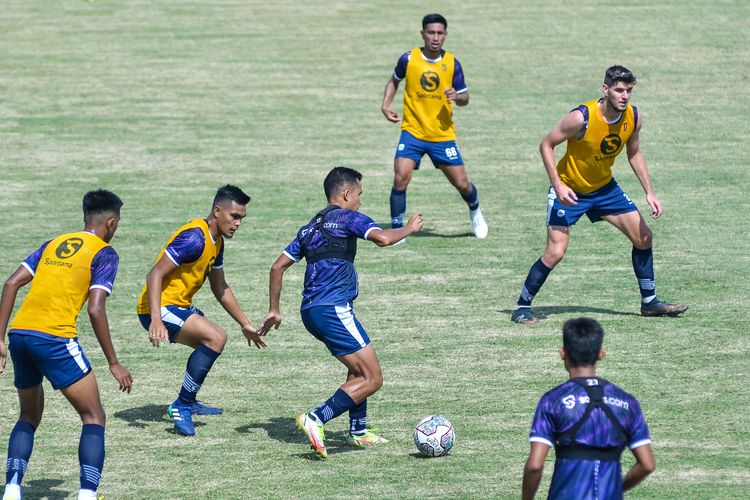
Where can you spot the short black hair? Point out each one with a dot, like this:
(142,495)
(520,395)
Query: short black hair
(339,178)
(230,193)
(434,18)
(582,340)
(616,74)
(100,201)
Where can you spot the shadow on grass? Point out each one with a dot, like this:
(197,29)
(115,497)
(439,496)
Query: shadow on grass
(431,233)
(44,488)
(284,429)
(142,416)
(545,311)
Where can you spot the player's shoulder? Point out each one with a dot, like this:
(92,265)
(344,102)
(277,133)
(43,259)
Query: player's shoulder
(558,392)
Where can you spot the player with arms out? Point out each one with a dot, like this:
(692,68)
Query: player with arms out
(434,82)
(329,244)
(582,183)
(589,422)
(193,253)
(64,272)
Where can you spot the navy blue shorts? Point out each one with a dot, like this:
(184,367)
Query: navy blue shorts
(337,327)
(36,355)
(173,317)
(608,200)
(441,153)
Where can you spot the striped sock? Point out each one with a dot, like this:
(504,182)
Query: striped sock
(91,455)
(333,407)
(198,365)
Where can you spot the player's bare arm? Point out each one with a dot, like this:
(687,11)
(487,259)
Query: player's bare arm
(640,168)
(15,281)
(645,464)
(458,98)
(157,332)
(568,127)
(228,301)
(388,94)
(388,237)
(532,471)
(273,317)
(100,324)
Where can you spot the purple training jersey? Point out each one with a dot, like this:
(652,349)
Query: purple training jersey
(188,247)
(330,281)
(560,409)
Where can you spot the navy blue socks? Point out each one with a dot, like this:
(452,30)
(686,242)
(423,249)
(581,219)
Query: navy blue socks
(91,456)
(398,207)
(643,265)
(198,365)
(358,418)
(335,406)
(472,199)
(534,281)
(20,445)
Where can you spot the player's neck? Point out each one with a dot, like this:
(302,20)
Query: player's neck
(582,371)
(608,112)
(431,54)
(213,227)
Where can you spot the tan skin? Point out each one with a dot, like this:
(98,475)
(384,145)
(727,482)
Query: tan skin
(83,394)
(630,224)
(224,220)
(532,472)
(364,376)
(434,36)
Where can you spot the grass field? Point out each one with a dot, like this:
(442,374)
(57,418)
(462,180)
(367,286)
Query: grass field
(162,102)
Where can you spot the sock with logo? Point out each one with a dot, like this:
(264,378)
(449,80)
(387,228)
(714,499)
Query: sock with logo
(20,446)
(335,406)
(643,265)
(198,365)
(358,418)
(472,199)
(398,207)
(91,456)
(534,281)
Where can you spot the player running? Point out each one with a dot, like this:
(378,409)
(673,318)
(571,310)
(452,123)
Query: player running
(64,272)
(434,82)
(329,244)
(582,183)
(589,422)
(193,253)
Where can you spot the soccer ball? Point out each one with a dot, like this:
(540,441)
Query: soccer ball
(434,436)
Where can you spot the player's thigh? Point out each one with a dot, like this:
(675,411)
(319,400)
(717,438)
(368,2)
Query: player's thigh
(403,168)
(84,397)
(632,225)
(558,238)
(199,330)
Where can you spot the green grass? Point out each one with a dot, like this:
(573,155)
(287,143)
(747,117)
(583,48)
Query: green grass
(162,102)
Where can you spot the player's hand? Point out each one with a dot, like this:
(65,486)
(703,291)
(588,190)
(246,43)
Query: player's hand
(391,115)
(450,94)
(122,375)
(566,195)
(655,205)
(3,356)
(415,222)
(253,337)
(157,332)
(272,319)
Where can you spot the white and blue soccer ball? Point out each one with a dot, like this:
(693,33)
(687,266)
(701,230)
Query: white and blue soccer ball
(434,436)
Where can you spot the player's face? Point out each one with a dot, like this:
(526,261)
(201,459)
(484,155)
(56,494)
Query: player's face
(434,35)
(618,95)
(229,218)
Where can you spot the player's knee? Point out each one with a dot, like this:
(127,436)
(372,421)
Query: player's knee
(33,420)
(95,415)
(375,382)
(553,256)
(401,182)
(217,340)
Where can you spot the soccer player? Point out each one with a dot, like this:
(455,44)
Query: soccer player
(589,421)
(329,244)
(434,82)
(193,253)
(64,272)
(582,183)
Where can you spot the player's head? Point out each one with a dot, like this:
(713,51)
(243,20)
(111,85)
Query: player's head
(434,31)
(229,209)
(618,87)
(582,342)
(343,186)
(101,210)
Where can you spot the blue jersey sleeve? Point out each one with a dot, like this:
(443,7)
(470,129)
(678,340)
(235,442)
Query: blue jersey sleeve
(360,225)
(186,247)
(219,262)
(638,429)
(32,261)
(104,269)
(294,250)
(543,425)
(459,82)
(399,72)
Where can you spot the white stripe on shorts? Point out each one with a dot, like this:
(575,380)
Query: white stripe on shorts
(171,318)
(75,350)
(347,319)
